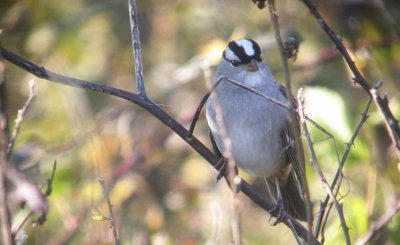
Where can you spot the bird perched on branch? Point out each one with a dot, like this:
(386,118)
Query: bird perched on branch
(257,122)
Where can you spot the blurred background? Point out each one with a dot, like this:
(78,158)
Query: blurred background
(162,191)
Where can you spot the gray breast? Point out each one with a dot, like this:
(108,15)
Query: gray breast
(253,125)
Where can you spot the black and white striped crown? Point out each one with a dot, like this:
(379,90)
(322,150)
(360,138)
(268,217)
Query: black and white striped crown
(242,51)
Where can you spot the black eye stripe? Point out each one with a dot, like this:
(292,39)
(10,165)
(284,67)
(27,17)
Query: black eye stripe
(241,54)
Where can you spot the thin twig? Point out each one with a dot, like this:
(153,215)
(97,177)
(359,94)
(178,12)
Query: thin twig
(232,177)
(274,19)
(286,106)
(136,48)
(111,219)
(20,117)
(197,114)
(214,86)
(391,123)
(294,233)
(293,122)
(5,219)
(363,119)
(23,222)
(315,164)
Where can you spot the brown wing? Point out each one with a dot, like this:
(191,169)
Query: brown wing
(294,191)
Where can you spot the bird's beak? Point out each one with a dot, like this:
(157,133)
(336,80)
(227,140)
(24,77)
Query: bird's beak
(252,66)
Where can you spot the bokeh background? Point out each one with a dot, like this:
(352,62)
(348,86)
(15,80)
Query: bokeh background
(162,191)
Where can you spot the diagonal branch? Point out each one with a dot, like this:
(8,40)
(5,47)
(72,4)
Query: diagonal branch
(315,164)
(20,117)
(144,102)
(363,119)
(392,124)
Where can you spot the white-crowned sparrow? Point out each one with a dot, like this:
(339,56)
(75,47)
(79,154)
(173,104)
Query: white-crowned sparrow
(261,135)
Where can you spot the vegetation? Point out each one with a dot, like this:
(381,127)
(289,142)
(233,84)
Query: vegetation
(161,190)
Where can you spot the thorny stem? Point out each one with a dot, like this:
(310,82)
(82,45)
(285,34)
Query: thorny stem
(315,164)
(363,119)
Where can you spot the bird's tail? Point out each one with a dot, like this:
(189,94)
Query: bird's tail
(292,196)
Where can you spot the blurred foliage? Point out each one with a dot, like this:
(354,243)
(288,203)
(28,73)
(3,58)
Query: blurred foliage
(161,190)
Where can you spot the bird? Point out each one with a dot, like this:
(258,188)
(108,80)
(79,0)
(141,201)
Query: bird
(257,120)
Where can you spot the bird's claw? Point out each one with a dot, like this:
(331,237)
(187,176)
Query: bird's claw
(279,209)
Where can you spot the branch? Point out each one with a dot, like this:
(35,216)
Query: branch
(293,122)
(392,125)
(315,164)
(136,48)
(156,111)
(20,117)
(275,24)
(111,219)
(4,140)
(363,119)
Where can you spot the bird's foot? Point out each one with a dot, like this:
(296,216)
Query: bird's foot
(279,209)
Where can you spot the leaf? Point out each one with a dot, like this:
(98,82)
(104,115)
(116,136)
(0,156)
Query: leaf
(97,215)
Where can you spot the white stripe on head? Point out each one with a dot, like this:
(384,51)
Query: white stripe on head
(247,46)
(230,55)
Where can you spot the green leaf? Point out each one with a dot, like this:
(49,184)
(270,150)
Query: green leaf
(97,215)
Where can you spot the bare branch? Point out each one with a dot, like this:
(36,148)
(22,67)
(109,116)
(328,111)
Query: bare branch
(286,106)
(315,164)
(363,119)
(232,177)
(392,124)
(111,219)
(136,48)
(20,117)
(4,139)
(274,19)
(293,122)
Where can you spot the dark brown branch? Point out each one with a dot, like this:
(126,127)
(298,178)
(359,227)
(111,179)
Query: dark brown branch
(144,102)
(358,77)
(392,124)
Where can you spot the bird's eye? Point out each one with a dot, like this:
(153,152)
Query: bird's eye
(235,63)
